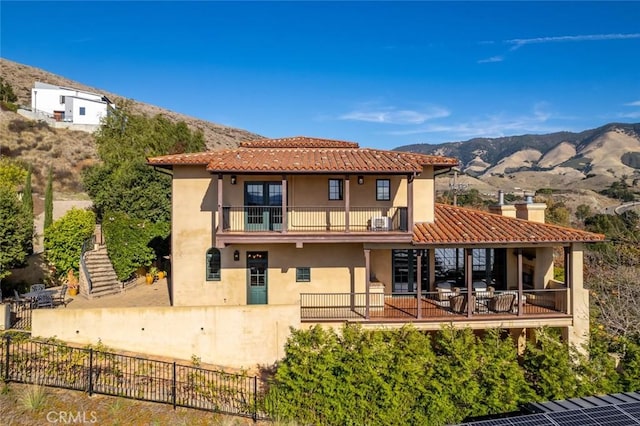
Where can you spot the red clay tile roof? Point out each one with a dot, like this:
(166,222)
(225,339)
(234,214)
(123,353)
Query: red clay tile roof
(298,142)
(457,225)
(305,155)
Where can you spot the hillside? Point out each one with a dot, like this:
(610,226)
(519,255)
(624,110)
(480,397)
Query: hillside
(68,151)
(21,77)
(592,159)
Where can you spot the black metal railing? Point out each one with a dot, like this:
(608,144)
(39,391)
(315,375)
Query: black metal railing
(314,219)
(20,315)
(102,372)
(431,306)
(88,245)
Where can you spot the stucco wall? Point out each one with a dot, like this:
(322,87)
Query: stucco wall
(335,268)
(194,204)
(239,337)
(423,196)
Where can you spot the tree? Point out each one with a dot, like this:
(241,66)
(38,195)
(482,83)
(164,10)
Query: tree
(6,92)
(12,174)
(27,202)
(132,188)
(16,229)
(123,182)
(48,201)
(125,137)
(64,238)
(583,211)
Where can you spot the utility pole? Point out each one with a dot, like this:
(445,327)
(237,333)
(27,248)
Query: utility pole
(454,186)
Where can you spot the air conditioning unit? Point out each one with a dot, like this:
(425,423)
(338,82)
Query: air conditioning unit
(380,223)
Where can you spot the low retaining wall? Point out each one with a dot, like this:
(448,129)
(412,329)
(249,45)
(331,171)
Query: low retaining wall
(233,336)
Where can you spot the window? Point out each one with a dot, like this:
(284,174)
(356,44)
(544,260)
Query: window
(62,99)
(303,274)
(383,189)
(213,264)
(335,189)
(82,111)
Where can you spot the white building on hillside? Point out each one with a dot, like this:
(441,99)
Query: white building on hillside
(68,104)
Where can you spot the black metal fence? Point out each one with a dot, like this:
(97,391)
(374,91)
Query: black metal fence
(20,316)
(95,371)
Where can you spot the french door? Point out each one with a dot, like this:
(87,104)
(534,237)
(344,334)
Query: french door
(405,271)
(263,206)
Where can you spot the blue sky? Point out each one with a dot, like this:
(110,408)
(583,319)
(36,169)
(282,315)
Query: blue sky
(384,74)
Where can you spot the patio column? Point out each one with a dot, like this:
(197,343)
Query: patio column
(410,203)
(419,284)
(468,278)
(285,220)
(568,278)
(367,274)
(347,203)
(220,215)
(519,272)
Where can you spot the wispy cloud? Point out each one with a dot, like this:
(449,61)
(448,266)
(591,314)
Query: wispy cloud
(498,58)
(632,115)
(519,42)
(392,115)
(495,125)
(632,104)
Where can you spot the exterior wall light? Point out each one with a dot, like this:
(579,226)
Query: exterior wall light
(234,179)
(360,180)
(236,255)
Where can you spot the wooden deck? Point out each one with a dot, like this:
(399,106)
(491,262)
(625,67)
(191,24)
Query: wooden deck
(405,309)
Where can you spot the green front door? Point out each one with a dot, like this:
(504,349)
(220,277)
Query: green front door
(257,267)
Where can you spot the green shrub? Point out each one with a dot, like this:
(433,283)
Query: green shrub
(133,243)
(400,376)
(64,238)
(8,106)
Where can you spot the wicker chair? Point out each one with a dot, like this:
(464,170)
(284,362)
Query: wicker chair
(502,302)
(458,303)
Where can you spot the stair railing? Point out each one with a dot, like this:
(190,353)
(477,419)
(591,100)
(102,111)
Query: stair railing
(88,245)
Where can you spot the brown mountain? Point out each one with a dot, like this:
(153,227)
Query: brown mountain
(592,159)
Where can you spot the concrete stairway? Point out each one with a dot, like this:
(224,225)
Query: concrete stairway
(104,281)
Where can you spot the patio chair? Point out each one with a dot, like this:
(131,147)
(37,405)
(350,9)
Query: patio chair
(458,303)
(60,297)
(502,302)
(36,288)
(442,299)
(44,300)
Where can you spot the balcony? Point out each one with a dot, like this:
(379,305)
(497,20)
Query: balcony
(321,219)
(432,308)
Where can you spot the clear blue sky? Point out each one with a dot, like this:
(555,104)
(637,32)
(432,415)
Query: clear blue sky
(383,74)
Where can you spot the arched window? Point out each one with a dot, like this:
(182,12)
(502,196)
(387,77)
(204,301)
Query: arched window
(213,264)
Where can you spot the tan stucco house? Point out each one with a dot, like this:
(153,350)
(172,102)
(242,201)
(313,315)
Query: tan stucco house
(342,233)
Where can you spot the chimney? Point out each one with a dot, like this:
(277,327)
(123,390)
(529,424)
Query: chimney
(501,208)
(529,210)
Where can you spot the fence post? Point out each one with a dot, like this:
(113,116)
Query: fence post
(6,364)
(255,399)
(90,371)
(173,386)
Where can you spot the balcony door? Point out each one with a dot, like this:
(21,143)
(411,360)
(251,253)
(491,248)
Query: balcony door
(263,206)
(405,271)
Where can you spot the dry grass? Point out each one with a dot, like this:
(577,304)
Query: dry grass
(68,152)
(55,403)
